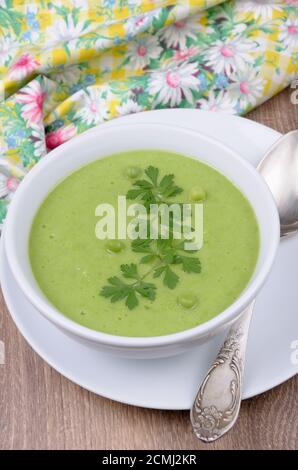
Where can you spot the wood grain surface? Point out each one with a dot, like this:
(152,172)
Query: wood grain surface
(40,409)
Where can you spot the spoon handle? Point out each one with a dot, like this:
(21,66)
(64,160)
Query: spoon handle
(217,404)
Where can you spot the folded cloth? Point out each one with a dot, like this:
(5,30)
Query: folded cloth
(69,65)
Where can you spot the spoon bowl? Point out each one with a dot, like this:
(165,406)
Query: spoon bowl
(279,168)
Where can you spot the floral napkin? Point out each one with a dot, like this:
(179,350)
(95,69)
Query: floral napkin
(68,65)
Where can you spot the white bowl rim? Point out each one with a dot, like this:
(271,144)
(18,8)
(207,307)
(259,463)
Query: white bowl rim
(207,328)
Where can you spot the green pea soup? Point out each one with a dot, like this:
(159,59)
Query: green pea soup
(94,282)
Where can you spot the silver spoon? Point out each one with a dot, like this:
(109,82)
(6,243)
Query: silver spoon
(217,404)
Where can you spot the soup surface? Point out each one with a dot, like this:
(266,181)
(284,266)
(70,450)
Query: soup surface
(136,288)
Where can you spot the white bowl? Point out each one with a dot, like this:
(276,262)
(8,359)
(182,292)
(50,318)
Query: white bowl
(103,141)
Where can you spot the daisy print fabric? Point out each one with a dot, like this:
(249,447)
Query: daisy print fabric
(69,65)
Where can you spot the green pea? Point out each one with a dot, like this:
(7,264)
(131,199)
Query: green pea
(114,246)
(197,194)
(188,300)
(133,172)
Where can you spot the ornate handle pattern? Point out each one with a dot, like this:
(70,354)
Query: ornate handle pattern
(217,404)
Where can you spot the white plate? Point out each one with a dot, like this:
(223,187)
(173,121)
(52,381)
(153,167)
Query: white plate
(171,383)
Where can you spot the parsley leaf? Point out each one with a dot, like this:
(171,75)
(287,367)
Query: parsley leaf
(189,264)
(148,258)
(151,191)
(120,290)
(170,279)
(117,290)
(146,289)
(144,246)
(152,174)
(129,271)
(168,188)
(141,246)
(131,299)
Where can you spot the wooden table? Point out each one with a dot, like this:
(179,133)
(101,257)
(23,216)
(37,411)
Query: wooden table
(40,409)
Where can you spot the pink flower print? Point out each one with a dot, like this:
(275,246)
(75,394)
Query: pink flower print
(58,137)
(185,54)
(12,183)
(32,98)
(24,66)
